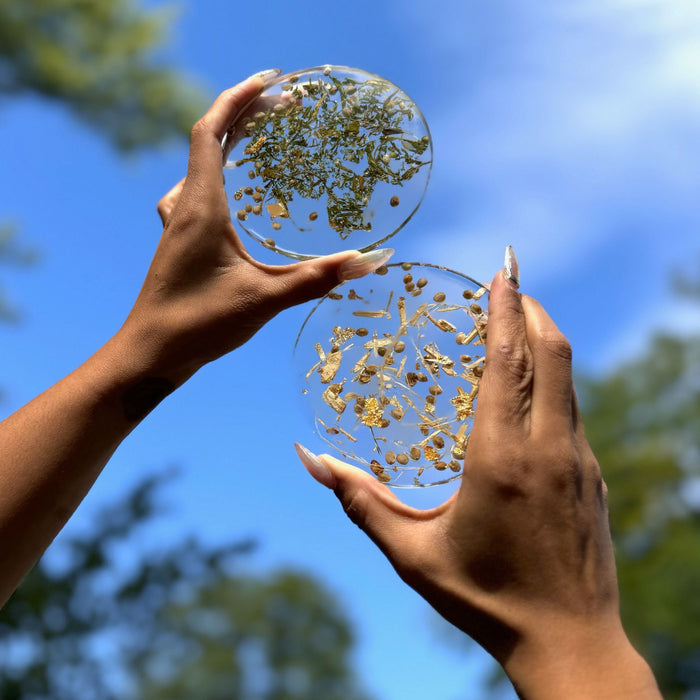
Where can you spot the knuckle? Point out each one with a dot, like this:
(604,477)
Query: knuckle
(201,127)
(355,506)
(557,344)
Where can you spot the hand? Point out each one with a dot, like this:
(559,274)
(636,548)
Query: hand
(204,294)
(521,557)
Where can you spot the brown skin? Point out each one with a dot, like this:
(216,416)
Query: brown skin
(204,296)
(521,557)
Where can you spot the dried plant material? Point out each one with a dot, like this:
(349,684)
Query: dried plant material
(318,147)
(332,398)
(412,388)
(330,366)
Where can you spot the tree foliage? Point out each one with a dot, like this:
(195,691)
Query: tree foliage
(100,618)
(643,421)
(98,57)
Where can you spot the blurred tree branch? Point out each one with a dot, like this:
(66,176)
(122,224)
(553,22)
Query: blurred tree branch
(99,57)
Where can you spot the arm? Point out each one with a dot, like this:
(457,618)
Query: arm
(203,296)
(521,557)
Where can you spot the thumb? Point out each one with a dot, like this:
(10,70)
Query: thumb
(392,525)
(310,279)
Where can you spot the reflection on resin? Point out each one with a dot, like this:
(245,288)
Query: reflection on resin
(327,159)
(389,367)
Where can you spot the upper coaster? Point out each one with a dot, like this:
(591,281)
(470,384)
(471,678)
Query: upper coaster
(327,159)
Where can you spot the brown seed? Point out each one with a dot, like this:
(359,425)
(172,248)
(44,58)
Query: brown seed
(257,209)
(438,442)
(467,294)
(257,197)
(415,452)
(399,346)
(476,309)
(394,201)
(251,174)
(416,292)
(402,458)
(455,466)
(406,266)
(424,428)
(313,216)
(376,467)
(248,207)
(461,338)
(439,296)
(435,390)
(421,282)
(381,352)
(384,477)
(430,399)
(396,413)
(362,332)
(421,377)
(410,287)
(384,423)
(242,216)
(411,378)
(457,452)
(440,466)
(478,371)
(270,242)
(276,225)
(407,278)
(465,358)
(358,409)
(238,194)
(390,457)
(259,188)
(248,190)
(381,270)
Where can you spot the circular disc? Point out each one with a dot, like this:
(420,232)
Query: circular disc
(389,368)
(327,159)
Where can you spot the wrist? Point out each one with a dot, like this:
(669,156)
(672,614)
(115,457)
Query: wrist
(579,661)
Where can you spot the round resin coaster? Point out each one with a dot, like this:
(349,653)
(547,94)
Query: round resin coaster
(389,368)
(327,159)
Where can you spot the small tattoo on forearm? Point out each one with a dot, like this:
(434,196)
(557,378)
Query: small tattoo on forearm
(141,398)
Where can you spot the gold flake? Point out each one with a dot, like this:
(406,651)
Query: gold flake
(330,366)
(373,413)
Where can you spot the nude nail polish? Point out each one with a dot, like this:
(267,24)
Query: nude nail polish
(511,270)
(363,264)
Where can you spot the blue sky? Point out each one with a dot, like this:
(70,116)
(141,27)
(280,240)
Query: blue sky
(567,129)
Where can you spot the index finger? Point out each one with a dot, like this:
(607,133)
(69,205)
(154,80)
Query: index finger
(505,389)
(205,163)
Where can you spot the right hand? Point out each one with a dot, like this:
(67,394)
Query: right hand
(521,557)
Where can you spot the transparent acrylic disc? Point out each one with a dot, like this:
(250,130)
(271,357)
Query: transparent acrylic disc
(327,159)
(389,368)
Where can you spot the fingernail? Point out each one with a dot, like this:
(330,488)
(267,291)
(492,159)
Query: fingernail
(315,466)
(268,76)
(363,263)
(511,270)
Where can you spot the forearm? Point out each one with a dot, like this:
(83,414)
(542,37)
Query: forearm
(53,449)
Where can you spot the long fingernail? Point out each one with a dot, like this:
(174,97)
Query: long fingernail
(268,76)
(511,270)
(363,263)
(315,467)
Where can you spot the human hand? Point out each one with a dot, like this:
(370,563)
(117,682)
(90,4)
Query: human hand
(204,295)
(521,557)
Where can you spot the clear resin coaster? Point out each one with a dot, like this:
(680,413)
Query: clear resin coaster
(389,367)
(327,159)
